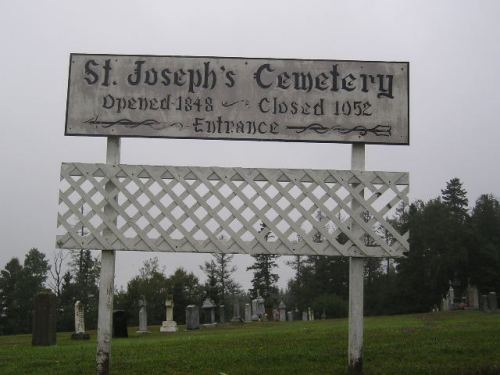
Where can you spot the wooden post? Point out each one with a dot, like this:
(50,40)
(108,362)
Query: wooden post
(356,271)
(107,279)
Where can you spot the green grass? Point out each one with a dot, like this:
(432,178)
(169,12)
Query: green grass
(464,342)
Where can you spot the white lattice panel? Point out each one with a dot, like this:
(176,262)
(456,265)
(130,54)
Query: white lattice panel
(231,210)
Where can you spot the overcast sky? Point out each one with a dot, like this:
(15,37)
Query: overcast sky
(452,47)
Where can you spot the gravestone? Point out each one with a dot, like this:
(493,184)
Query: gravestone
(310,314)
(79,333)
(169,325)
(222,314)
(236,313)
(445,306)
(276,315)
(282,311)
(451,298)
(296,314)
(143,317)
(484,302)
(208,308)
(248,313)
(261,309)
(192,317)
(120,323)
(44,319)
(304,315)
(492,301)
(472,297)
(290,316)
(255,317)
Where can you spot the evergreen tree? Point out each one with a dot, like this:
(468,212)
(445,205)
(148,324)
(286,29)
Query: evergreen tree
(10,313)
(186,290)
(455,197)
(211,287)
(485,244)
(264,279)
(18,286)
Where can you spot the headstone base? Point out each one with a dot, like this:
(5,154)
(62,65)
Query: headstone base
(142,332)
(80,336)
(209,325)
(168,326)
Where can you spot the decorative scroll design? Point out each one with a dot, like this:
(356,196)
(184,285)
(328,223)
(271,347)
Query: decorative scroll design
(154,124)
(226,104)
(231,210)
(379,130)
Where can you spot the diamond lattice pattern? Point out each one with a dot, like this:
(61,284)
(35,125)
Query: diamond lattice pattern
(231,210)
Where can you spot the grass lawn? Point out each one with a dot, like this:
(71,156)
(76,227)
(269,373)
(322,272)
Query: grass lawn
(463,342)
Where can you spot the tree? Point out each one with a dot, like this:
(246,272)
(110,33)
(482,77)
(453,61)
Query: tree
(211,287)
(56,272)
(34,274)
(186,291)
(455,197)
(19,284)
(151,284)
(485,244)
(264,279)
(10,315)
(79,283)
(220,284)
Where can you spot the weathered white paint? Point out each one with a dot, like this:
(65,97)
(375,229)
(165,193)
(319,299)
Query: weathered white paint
(107,278)
(238,98)
(213,209)
(356,272)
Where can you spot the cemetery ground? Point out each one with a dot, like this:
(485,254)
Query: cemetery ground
(458,342)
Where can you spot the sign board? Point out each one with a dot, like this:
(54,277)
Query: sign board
(238,98)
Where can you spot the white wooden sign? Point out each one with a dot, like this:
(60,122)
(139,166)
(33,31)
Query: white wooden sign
(238,98)
(231,210)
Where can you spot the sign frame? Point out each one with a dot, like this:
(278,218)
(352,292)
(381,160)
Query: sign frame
(314,126)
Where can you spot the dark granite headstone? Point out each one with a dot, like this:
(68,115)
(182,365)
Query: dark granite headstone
(192,317)
(120,323)
(44,319)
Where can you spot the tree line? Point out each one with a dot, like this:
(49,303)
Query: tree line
(448,243)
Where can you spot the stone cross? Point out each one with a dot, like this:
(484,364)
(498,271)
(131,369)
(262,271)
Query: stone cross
(169,325)
(169,310)
(261,309)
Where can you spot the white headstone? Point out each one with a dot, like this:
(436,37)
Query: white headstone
(169,325)
(143,316)
(282,311)
(79,318)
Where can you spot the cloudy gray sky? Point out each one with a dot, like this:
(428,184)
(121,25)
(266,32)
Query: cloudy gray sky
(452,47)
